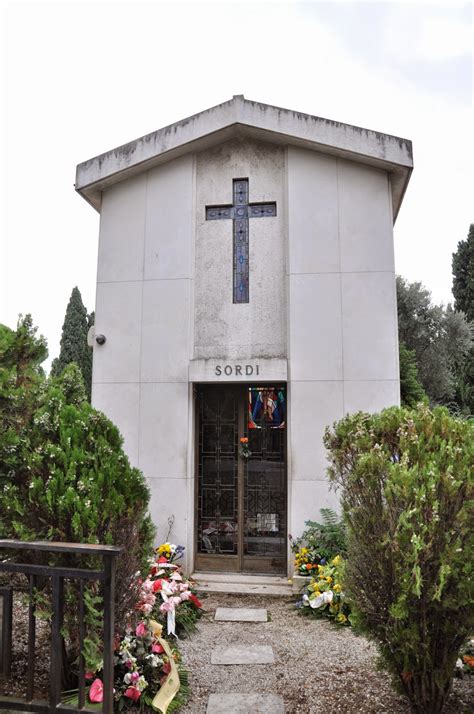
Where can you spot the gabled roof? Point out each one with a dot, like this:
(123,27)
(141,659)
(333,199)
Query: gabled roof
(242,117)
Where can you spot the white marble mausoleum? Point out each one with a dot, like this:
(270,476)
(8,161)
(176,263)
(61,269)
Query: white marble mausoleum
(246,293)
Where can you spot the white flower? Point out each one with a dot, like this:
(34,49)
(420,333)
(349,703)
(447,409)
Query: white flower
(154,660)
(321,600)
(141,684)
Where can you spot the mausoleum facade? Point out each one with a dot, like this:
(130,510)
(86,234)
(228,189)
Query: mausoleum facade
(246,293)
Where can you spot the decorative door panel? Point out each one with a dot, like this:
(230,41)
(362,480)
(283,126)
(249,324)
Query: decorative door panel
(241,496)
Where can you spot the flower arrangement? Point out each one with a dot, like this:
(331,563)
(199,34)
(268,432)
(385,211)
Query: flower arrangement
(465,661)
(144,660)
(324,596)
(166,595)
(306,559)
(319,543)
(244,448)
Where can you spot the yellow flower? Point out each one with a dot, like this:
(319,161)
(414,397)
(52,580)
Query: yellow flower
(337,588)
(341,617)
(337,560)
(156,628)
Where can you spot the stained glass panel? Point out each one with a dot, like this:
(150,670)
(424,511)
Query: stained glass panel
(240,212)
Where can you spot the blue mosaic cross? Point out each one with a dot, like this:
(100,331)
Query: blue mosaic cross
(240,212)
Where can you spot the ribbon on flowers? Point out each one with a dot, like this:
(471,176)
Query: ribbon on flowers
(170,686)
(172,595)
(320,600)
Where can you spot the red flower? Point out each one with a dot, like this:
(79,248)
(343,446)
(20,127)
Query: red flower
(157,649)
(157,585)
(96,692)
(195,601)
(166,669)
(162,559)
(132,693)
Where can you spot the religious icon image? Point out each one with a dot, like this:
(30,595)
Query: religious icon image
(266,405)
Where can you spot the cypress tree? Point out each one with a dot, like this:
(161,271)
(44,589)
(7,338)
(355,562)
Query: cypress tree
(463,275)
(463,291)
(74,347)
(411,390)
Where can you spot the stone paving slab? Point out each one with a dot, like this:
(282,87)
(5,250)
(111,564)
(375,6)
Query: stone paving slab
(243,654)
(245,704)
(240,614)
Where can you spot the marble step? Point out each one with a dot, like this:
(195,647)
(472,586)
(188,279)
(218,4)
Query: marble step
(235,583)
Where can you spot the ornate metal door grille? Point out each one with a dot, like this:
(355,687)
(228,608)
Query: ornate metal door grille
(217,469)
(241,502)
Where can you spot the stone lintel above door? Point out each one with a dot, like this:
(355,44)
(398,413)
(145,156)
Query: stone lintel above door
(245,369)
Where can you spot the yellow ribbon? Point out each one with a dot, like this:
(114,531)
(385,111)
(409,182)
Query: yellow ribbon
(170,687)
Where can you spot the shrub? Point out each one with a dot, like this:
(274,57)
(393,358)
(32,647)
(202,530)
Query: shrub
(406,481)
(64,475)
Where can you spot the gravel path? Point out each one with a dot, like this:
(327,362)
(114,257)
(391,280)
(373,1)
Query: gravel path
(318,668)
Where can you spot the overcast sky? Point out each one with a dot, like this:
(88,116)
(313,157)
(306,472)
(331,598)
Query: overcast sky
(80,78)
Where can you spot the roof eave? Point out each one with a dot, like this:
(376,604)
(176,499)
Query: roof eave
(240,117)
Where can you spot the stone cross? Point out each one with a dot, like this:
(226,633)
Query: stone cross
(240,212)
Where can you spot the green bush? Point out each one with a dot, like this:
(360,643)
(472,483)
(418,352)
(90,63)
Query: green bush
(406,482)
(327,538)
(63,473)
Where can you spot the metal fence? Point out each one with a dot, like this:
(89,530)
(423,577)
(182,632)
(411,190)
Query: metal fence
(58,574)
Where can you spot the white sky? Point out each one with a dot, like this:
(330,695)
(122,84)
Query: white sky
(80,78)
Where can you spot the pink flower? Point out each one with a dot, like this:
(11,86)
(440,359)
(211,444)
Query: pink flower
(146,585)
(132,693)
(185,595)
(96,692)
(141,630)
(157,649)
(135,677)
(167,606)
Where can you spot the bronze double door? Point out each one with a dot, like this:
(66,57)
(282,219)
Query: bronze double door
(241,484)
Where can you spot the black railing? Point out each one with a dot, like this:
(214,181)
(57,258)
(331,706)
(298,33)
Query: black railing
(57,573)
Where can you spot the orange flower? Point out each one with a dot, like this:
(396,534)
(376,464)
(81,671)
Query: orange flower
(469,660)
(244,440)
